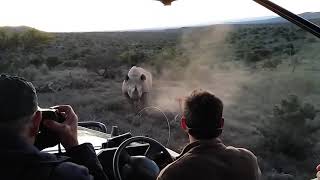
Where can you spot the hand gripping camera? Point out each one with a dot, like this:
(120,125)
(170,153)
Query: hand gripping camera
(46,138)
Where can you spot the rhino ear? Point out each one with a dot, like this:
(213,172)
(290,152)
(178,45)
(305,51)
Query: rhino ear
(127,78)
(143,77)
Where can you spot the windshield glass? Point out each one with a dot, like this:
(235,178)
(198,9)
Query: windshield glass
(265,70)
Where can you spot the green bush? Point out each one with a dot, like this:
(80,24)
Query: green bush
(36,62)
(80,83)
(72,63)
(9,39)
(253,57)
(132,57)
(271,64)
(32,38)
(289,132)
(98,62)
(44,69)
(26,38)
(29,73)
(5,67)
(53,61)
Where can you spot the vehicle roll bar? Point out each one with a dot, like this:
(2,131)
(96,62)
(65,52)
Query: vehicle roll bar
(303,23)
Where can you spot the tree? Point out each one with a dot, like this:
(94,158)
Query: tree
(33,38)
(30,38)
(3,39)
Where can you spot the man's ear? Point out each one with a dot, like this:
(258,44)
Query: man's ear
(183,123)
(36,120)
(222,122)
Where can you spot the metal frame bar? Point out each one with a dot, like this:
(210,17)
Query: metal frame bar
(99,125)
(303,23)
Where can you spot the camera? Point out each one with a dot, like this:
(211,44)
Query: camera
(50,114)
(45,137)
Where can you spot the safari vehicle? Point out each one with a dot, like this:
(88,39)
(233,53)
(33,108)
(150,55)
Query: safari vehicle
(124,155)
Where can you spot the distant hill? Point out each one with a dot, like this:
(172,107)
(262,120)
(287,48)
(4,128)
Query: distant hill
(16,28)
(275,20)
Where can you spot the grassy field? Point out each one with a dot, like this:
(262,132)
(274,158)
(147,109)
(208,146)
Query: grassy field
(251,67)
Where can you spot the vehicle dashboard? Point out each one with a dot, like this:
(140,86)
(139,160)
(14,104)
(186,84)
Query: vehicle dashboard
(105,152)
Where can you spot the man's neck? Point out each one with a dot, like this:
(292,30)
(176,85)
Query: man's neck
(192,139)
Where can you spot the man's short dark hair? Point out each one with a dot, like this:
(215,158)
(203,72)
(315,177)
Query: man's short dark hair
(203,113)
(18,99)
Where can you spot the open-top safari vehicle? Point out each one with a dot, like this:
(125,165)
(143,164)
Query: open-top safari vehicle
(125,156)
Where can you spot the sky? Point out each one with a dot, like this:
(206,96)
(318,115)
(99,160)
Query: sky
(114,15)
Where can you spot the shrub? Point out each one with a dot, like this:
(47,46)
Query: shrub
(289,132)
(32,38)
(53,61)
(95,63)
(72,63)
(80,83)
(44,69)
(253,57)
(311,40)
(36,61)
(85,52)
(5,67)
(75,56)
(132,57)
(25,38)
(29,73)
(271,64)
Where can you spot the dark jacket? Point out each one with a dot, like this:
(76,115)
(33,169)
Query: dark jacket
(212,160)
(19,160)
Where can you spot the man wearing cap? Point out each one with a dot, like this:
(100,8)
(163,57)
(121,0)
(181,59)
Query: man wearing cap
(20,119)
(206,157)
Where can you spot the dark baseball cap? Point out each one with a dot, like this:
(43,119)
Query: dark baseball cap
(18,98)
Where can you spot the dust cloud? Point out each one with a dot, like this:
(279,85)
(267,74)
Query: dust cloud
(207,69)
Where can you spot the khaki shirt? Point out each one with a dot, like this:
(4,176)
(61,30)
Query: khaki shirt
(212,160)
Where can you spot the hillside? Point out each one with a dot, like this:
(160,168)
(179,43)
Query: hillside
(312,16)
(252,67)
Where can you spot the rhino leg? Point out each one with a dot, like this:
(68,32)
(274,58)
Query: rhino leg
(145,99)
(126,95)
(135,105)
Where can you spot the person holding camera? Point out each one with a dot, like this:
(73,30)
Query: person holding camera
(20,119)
(206,157)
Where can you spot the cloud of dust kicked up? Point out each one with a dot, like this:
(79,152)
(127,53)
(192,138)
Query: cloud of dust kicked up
(209,69)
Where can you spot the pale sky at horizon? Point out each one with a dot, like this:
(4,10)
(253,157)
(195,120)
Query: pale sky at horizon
(113,15)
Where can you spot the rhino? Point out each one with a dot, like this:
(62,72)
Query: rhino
(137,86)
